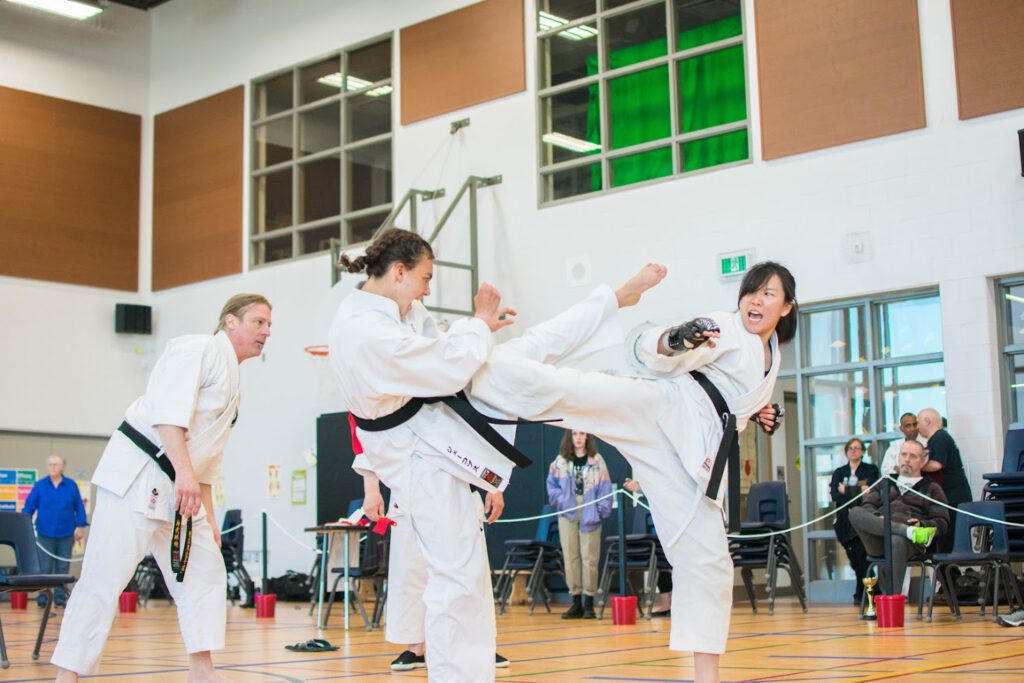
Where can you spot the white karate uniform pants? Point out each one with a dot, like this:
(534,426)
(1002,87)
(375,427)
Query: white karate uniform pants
(458,617)
(118,540)
(622,410)
(405,613)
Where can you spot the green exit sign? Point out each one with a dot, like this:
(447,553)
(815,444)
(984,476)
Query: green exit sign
(735,264)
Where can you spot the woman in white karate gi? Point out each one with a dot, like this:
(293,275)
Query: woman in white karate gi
(385,349)
(666,426)
(190,405)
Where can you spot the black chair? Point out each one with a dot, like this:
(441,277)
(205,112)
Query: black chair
(980,543)
(767,511)
(541,556)
(148,580)
(1007,486)
(641,551)
(373,567)
(16,532)
(232,545)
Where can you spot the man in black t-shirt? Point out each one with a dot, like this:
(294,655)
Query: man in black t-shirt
(945,467)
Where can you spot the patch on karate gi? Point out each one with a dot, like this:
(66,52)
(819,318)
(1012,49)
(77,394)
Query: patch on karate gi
(707,464)
(491,478)
(154,496)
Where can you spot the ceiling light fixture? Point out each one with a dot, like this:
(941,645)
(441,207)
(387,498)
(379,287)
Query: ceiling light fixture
(334,80)
(570,143)
(548,22)
(65,8)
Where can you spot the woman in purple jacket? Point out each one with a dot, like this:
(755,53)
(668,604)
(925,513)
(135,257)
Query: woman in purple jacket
(578,476)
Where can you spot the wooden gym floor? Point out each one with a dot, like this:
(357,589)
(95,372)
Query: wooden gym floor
(829,643)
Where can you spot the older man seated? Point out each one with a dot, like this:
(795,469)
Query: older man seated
(915,519)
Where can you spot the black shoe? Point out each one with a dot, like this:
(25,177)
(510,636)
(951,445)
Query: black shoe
(665,613)
(407,661)
(588,607)
(500,662)
(576,611)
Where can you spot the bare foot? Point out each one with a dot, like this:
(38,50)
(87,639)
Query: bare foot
(200,669)
(65,676)
(650,275)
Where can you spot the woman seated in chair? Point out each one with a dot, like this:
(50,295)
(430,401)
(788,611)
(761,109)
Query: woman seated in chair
(578,476)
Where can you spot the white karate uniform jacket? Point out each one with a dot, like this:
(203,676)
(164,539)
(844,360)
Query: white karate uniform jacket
(665,426)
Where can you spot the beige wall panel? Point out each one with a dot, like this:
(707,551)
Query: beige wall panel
(462,58)
(836,71)
(197,190)
(988,40)
(69,191)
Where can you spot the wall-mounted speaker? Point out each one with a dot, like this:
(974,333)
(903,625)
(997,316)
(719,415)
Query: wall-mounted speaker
(133,319)
(1020,139)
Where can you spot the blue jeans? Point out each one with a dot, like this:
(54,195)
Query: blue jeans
(48,565)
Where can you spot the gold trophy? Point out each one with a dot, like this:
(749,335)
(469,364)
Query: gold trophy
(869,583)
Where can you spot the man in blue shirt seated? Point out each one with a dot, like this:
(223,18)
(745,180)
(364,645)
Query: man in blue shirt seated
(60,516)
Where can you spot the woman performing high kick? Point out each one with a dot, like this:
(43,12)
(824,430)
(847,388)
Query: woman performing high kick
(666,424)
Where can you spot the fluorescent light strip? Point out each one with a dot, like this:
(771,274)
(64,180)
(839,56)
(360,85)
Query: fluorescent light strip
(548,22)
(334,80)
(570,143)
(1014,297)
(65,8)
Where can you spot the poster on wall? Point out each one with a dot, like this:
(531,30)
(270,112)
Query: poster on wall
(298,487)
(273,481)
(15,485)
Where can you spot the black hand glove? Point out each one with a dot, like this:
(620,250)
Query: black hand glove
(690,335)
(774,426)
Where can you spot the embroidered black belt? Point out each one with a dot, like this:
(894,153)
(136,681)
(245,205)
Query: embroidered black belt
(728,452)
(480,423)
(179,555)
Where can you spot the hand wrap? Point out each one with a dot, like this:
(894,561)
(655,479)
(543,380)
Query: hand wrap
(771,428)
(691,334)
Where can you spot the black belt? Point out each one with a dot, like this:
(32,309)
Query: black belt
(179,556)
(480,423)
(728,452)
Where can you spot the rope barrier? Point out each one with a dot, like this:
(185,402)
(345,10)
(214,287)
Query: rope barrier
(557,512)
(77,558)
(285,532)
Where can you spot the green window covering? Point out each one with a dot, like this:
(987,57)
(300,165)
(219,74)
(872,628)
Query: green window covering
(712,91)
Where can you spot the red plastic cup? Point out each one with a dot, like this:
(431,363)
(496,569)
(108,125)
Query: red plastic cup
(890,610)
(128,602)
(624,610)
(19,600)
(265,605)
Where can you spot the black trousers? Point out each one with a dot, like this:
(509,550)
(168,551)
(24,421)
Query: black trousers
(854,548)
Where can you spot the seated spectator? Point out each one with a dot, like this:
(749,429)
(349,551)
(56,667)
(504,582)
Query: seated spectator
(916,521)
(847,482)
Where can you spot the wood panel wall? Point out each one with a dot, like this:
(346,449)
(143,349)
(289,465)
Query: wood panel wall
(197,190)
(833,72)
(462,58)
(69,191)
(988,41)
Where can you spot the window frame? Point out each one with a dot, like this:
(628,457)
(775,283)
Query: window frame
(671,60)
(297,229)
(1008,351)
(877,435)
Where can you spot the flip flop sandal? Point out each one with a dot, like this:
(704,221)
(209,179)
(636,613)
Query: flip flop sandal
(314,645)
